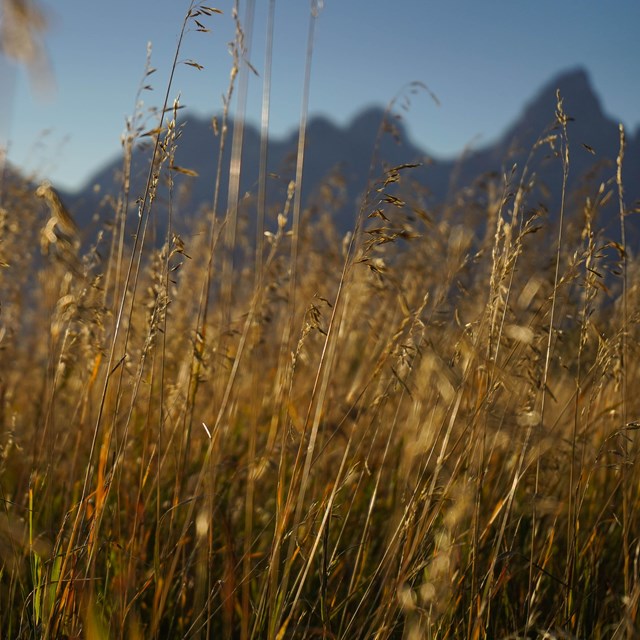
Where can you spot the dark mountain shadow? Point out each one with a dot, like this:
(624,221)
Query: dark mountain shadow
(349,152)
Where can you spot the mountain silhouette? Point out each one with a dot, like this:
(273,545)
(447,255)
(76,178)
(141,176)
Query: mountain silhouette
(329,148)
(348,152)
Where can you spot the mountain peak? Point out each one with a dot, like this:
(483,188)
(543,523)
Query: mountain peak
(580,102)
(571,80)
(367,121)
(576,91)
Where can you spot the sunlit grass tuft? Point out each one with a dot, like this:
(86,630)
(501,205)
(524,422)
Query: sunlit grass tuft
(426,428)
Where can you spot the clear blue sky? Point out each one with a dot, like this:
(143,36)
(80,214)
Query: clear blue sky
(483,60)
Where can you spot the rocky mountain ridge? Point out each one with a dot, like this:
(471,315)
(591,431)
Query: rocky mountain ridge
(348,151)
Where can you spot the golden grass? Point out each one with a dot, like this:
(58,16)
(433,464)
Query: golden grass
(414,431)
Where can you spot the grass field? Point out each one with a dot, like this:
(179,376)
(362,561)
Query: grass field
(424,429)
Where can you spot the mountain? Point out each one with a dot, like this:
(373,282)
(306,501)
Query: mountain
(329,148)
(593,138)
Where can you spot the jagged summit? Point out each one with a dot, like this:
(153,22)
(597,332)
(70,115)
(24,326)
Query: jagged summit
(366,121)
(580,101)
(351,146)
(575,87)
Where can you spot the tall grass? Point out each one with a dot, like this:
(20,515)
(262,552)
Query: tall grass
(423,429)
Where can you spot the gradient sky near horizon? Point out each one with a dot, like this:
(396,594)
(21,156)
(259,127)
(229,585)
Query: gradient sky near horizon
(483,60)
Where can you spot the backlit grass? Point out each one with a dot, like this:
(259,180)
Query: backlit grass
(259,428)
